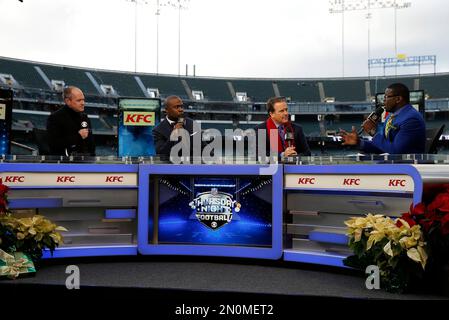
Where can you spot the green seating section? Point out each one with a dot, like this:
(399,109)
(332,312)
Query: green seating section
(345,90)
(71,77)
(378,85)
(435,86)
(213,89)
(216,89)
(167,85)
(299,91)
(124,84)
(23,72)
(256,90)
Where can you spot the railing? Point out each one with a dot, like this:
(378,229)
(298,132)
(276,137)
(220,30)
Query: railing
(25,147)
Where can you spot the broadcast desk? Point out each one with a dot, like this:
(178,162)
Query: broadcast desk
(293,211)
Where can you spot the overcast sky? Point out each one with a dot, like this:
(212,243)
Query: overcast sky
(231,38)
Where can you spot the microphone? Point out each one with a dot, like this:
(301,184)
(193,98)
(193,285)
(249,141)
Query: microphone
(289,136)
(84,123)
(374,117)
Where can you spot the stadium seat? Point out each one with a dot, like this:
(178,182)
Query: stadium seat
(432,137)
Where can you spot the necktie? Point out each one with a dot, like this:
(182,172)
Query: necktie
(388,125)
(282,134)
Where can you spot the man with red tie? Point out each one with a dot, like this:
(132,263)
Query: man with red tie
(291,140)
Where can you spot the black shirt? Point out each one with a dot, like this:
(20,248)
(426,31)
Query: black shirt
(63,137)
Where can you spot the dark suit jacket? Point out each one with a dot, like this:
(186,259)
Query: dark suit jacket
(302,148)
(62,131)
(408,135)
(161,135)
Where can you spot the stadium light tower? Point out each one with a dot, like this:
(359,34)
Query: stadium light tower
(136,2)
(158,13)
(341,6)
(180,5)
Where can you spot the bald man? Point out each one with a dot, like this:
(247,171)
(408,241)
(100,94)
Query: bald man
(69,129)
(175,119)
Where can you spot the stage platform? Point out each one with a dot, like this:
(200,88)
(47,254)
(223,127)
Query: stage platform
(181,277)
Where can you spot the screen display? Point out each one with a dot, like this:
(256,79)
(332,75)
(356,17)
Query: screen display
(212,210)
(136,120)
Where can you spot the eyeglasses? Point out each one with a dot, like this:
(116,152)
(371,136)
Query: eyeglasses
(386,97)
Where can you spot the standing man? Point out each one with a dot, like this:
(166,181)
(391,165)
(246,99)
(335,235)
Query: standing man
(69,129)
(291,140)
(404,130)
(174,120)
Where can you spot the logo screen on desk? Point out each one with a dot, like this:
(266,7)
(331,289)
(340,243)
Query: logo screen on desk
(213,210)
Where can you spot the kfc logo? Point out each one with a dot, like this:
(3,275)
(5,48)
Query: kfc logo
(138,118)
(351,182)
(65,179)
(14,179)
(396,183)
(306,181)
(112,179)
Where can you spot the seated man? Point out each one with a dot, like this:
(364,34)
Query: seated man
(69,129)
(278,120)
(174,120)
(404,130)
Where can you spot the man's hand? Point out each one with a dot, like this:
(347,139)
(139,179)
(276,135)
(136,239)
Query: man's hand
(290,151)
(178,126)
(84,133)
(349,138)
(368,125)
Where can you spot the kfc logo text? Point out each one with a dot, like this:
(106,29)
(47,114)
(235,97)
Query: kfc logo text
(351,182)
(138,118)
(306,181)
(65,179)
(14,179)
(396,183)
(114,179)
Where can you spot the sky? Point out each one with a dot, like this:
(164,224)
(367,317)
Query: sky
(232,38)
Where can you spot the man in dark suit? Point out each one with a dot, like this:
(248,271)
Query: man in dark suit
(174,120)
(289,136)
(404,130)
(69,130)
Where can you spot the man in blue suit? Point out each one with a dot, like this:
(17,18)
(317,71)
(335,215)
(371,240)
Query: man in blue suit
(404,130)
(174,120)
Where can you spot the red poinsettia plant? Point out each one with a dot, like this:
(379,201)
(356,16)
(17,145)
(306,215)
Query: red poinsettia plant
(433,217)
(3,199)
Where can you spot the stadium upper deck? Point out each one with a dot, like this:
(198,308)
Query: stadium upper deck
(22,74)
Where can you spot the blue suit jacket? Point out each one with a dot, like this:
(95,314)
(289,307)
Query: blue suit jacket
(408,135)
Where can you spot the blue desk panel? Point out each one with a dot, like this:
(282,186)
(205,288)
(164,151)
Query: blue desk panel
(145,226)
